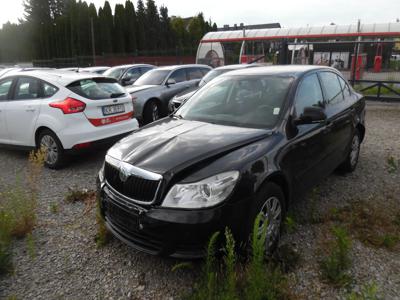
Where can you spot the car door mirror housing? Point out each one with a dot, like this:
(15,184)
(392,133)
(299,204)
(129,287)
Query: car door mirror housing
(311,115)
(171,81)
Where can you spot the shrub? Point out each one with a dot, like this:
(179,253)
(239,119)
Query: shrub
(5,243)
(103,236)
(290,224)
(334,267)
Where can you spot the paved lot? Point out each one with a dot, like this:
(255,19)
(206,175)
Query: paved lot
(69,266)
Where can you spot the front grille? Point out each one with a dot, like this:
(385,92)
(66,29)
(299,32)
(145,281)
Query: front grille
(135,187)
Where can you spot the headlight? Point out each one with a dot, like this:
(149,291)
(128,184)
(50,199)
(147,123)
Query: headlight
(205,193)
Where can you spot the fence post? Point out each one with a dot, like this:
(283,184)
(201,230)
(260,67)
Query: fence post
(379,91)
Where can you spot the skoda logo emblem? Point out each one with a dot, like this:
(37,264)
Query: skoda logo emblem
(123,173)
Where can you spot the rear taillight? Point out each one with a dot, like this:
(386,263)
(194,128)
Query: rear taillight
(69,106)
(134,98)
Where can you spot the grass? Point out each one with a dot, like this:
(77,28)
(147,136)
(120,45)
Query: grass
(368,292)
(290,224)
(30,246)
(54,208)
(103,236)
(335,265)
(18,209)
(392,164)
(374,223)
(75,195)
(231,278)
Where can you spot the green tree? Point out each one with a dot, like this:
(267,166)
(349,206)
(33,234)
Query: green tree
(106,26)
(152,25)
(130,27)
(141,23)
(119,29)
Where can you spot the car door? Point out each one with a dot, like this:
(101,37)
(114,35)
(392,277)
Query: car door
(130,76)
(181,83)
(5,94)
(23,110)
(305,149)
(339,112)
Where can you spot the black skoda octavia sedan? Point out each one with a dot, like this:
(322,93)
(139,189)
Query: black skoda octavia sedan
(249,142)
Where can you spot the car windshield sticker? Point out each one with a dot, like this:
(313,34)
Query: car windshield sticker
(276,111)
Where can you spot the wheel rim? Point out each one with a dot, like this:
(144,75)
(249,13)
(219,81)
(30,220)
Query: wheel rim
(154,112)
(355,149)
(270,212)
(49,145)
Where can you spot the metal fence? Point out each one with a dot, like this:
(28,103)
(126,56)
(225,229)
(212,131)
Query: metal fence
(372,67)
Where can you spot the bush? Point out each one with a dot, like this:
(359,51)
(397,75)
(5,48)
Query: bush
(335,266)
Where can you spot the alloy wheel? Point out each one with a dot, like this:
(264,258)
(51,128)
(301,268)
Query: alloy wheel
(49,145)
(270,212)
(154,112)
(355,150)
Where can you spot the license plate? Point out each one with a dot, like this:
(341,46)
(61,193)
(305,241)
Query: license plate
(113,109)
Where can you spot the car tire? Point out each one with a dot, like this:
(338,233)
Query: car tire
(152,112)
(269,197)
(55,156)
(350,163)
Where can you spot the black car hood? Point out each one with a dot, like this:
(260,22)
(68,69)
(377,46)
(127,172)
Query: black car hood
(172,145)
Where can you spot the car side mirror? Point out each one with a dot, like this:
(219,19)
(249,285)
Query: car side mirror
(126,81)
(311,115)
(171,81)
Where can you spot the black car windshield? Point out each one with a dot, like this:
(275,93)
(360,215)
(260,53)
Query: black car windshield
(152,77)
(245,101)
(211,75)
(114,72)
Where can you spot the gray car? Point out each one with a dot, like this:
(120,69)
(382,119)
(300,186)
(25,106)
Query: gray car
(128,74)
(176,101)
(151,92)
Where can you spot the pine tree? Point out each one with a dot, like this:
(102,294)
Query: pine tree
(141,23)
(152,25)
(130,28)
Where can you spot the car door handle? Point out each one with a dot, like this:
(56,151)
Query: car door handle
(30,109)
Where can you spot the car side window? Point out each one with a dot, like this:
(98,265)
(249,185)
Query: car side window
(195,73)
(332,88)
(5,86)
(133,73)
(179,75)
(49,90)
(204,71)
(309,93)
(27,88)
(145,69)
(344,86)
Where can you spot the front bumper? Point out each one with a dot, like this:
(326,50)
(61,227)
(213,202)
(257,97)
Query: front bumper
(161,231)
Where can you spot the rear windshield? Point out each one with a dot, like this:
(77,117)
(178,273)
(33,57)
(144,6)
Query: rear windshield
(97,88)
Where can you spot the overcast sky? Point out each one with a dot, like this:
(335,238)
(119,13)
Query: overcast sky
(288,12)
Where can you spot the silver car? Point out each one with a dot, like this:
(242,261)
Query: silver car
(151,92)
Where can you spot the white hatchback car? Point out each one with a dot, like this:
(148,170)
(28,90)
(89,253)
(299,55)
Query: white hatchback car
(62,111)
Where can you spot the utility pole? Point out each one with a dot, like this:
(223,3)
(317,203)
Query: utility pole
(93,42)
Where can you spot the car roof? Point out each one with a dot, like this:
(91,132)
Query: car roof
(286,70)
(175,67)
(61,77)
(131,65)
(237,66)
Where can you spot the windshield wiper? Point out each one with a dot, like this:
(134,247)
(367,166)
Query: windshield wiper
(116,95)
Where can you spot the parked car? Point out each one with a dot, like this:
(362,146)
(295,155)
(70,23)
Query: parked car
(153,91)
(177,100)
(97,70)
(128,74)
(248,143)
(62,112)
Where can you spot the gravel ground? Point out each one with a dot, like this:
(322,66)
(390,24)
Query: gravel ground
(67,264)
